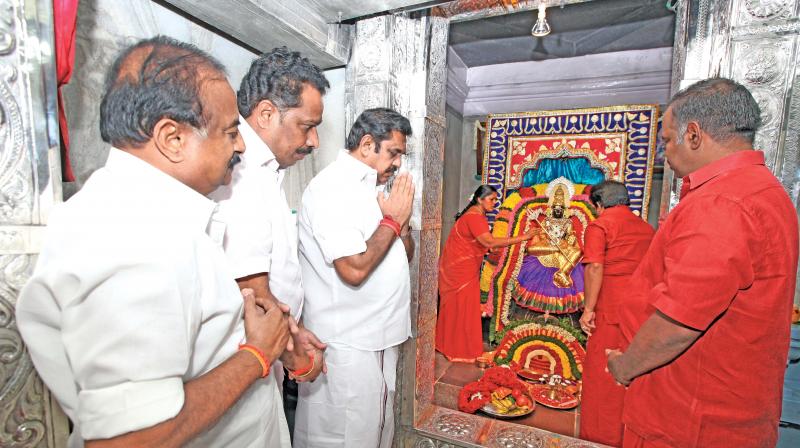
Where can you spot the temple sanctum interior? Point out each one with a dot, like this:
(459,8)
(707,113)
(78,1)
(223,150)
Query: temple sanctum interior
(539,100)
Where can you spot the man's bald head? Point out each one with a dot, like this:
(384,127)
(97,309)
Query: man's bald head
(154,79)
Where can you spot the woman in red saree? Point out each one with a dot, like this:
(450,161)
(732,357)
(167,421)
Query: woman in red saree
(458,328)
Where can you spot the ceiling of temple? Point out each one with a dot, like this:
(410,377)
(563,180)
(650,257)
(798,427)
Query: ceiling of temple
(577,30)
(330,9)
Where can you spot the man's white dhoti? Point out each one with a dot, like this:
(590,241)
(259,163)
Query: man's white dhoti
(351,406)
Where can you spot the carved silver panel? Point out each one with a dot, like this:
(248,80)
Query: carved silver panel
(749,11)
(764,58)
(425,443)
(28,188)
(513,436)
(761,65)
(16,182)
(437,73)
(789,173)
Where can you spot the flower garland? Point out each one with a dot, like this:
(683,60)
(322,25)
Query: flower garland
(476,394)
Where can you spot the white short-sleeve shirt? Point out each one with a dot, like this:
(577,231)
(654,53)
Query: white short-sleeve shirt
(339,214)
(131,298)
(261,230)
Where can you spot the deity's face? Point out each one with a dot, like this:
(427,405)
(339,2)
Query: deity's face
(291,134)
(488,203)
(558,211)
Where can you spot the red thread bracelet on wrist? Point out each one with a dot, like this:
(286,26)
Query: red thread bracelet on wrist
(299,373)
(392,220)
(263,360)
(390,223)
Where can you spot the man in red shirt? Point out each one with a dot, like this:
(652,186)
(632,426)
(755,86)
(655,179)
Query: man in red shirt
(614,245)
(713,296)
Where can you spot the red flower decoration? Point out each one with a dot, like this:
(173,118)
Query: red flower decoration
(476,394)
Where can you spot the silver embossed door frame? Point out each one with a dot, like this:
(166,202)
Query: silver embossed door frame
(29,186)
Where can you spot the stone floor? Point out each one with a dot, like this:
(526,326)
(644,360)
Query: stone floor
(788,437)
(450,377)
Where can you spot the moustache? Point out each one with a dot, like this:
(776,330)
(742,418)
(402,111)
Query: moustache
(391,171)
(306,150)
(236,158)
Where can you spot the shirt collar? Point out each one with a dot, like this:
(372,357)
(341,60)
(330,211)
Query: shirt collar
(358,169)
(257,152)
(735,161)
(617,210)
(180,199)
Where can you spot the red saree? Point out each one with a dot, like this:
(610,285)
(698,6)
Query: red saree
(458,328)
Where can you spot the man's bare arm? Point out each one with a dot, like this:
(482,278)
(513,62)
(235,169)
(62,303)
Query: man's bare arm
(489,241)
(408,242)
(658,341)
(209,396)
(354,269)
(259,283)
(592,282)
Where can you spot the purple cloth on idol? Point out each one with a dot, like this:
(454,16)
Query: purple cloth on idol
(535,277)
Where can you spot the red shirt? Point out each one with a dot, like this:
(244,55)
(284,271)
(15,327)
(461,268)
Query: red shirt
(723,262)
(618,240)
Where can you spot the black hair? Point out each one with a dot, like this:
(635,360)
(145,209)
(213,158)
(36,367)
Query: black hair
(609,193)
(379,123)
(278,76)
(480,193)
(155,78)
(723,108)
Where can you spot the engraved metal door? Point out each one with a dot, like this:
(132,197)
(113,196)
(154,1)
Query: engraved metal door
(29,186)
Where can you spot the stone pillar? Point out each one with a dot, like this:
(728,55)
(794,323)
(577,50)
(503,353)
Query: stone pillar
(398,61)
(29,186)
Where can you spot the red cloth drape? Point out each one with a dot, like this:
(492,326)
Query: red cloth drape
(65,15)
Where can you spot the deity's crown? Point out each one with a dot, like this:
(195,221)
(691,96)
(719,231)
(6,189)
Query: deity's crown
(560,192)
(558,197)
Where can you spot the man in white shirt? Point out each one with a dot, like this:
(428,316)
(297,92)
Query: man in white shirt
(280,103)
(131,316)
(354,251)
